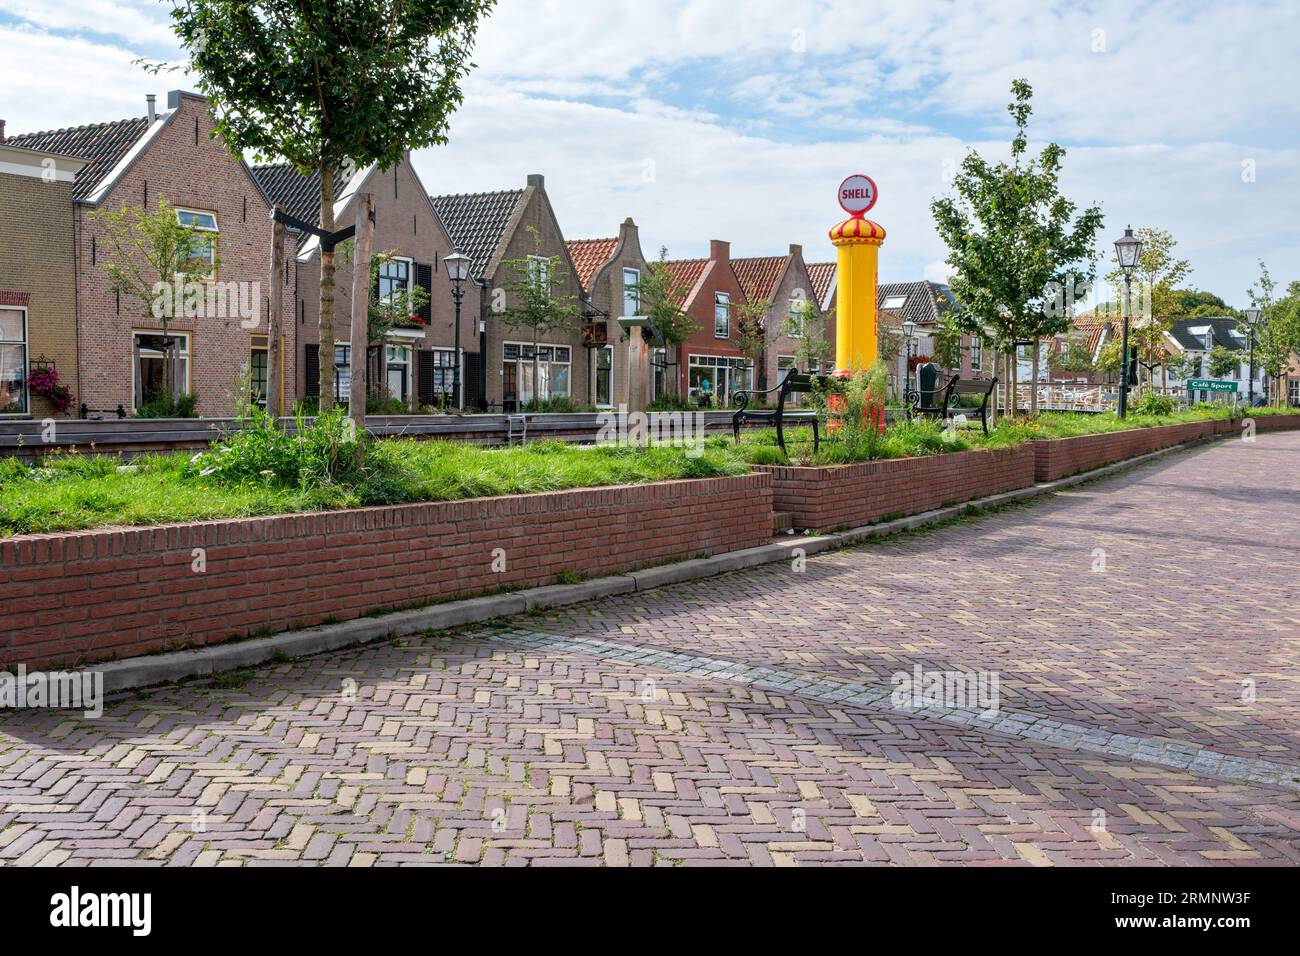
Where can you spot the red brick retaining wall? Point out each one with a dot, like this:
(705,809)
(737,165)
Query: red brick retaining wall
(92,595)
(1060,457)
(853,495)
(1270,423)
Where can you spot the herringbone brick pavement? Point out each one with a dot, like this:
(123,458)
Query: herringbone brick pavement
(480,747)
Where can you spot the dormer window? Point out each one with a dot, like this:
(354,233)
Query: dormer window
(894,302)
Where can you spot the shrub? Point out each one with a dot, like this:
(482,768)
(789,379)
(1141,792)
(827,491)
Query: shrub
(164,406)
(1153,404)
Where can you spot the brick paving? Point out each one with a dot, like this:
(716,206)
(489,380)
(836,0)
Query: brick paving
(743,720)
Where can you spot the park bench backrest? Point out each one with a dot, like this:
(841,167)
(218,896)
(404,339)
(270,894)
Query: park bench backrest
(973,386)
(794,382)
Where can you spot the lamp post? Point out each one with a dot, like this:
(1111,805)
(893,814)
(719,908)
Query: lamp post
(909,332)
(457,265)
(1127,248)
(1251,319)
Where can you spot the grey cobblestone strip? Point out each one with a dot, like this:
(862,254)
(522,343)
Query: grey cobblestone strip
(1026,726)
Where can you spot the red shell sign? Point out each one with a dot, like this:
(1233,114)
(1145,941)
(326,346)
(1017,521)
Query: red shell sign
(857,194)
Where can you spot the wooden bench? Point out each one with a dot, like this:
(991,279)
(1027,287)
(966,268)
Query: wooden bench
(792,384)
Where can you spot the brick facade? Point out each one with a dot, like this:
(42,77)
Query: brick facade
(37,261)
(184,165)
(795,285)
(534,210)
(606,293)
(94,595)
(847,496)
(717,276)
(407,227)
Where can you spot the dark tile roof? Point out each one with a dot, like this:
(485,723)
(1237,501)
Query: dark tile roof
(925,301)
(759,275)
(299,195)
(476,221)
(102,145)
(822,274)
(588,255)
(1221,328)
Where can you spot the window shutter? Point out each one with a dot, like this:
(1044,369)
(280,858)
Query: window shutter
(424,279)
(311,366)
(473,372)
(424,377)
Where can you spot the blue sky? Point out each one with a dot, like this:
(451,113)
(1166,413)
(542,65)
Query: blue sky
(706,119)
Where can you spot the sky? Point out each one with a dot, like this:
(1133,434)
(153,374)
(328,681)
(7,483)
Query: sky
(706,119)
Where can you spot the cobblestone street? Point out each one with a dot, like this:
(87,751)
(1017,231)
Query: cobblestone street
(1143,631)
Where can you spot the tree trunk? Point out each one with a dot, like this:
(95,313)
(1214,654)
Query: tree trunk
(537,369)
(359,337)
(1033,395)
(326,326)
(273,318)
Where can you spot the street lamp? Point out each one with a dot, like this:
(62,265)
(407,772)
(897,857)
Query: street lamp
(1251,319)
(909,331)
(1127,248)
(457,266)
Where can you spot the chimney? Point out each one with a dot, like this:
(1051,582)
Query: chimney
(537,179)
(151,102)
(719,250)
(2,131)
(796,250)
(626,231)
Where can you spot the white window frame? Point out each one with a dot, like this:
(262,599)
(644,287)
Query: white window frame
(595,375)
(26,347)
(521,362)
(539,271)
(722,299)
(186,357)
(898,302)
(794,313)
(731,364)
(214,229)
(635,291)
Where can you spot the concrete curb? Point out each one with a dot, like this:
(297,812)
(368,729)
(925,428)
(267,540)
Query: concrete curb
(136,672)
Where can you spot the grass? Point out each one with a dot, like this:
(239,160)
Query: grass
(267,472)
(71,491)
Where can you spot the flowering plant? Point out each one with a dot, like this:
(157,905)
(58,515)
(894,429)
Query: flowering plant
(45,382)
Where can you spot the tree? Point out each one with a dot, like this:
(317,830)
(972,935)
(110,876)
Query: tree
(1222,361)
(1157,272)
(1015,242)
(152,258)
(947,344)
(1196,303)
(325,83)
(1277,337)
(1075,356)
(533,304)
(807,327)
(661,296)
(750,335)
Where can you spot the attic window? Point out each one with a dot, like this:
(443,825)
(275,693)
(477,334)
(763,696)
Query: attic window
(894,302)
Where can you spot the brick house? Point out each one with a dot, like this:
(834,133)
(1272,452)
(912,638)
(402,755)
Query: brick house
(610,270)
(491,229)
(785,283)
(709,365)
(38,275)
(418,361)
(927,303)
(136,163)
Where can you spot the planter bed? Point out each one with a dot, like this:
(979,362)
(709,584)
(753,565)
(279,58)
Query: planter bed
(845,496)
(84,596)
(1060,457)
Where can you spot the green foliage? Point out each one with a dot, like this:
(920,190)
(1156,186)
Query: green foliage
(661,297)
(670,403)
(1222,361)
(1156,274)
(533,300)
(1277,337)
(560,405)
(1153,404)
(164,406)
(330,80)
(1014,241)
(749,334)
(808,328)
(320,451)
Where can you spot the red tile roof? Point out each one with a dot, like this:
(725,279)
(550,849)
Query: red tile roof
(686,272)
(821,274)
(588,255)
(1092,326)
(758,276)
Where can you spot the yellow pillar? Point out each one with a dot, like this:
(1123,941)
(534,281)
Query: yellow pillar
(857,246)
